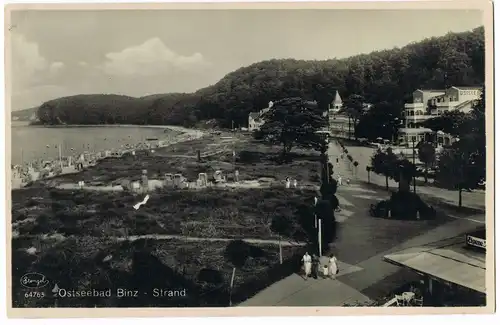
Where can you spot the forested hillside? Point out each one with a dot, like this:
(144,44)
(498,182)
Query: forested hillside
(24,114)
(385,76)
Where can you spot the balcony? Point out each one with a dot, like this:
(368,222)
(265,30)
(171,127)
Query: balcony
(414,105)
(419,117)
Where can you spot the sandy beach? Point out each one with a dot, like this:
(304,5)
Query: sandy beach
(43,169)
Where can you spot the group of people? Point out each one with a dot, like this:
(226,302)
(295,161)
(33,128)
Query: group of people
(311,265)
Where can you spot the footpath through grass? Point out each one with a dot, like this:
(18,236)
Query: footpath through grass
(78,239)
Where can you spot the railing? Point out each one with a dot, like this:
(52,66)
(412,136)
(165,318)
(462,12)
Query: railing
(414,105)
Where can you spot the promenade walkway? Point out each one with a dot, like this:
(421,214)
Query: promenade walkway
(474,199)
(361,243)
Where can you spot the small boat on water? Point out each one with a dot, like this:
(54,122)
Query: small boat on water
(151,139)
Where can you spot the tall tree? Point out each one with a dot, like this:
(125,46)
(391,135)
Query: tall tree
(294,122)
(457,169)
(382,120)
(237,253)
(427,155)
(455,123)
(384,163)
(353,106)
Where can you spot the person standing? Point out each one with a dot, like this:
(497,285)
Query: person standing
(339,180)
(306,260)
(81,161)
(315,265)
(333,266)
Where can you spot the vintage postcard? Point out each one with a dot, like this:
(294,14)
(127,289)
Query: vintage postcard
(230,157)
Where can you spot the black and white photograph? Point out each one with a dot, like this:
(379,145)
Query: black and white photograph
(249,157)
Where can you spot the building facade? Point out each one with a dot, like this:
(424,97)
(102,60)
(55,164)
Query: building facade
(256,120)
(338,122)
(339,126)
(430,103)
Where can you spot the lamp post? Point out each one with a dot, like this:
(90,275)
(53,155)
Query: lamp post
(397,123)
(413,154)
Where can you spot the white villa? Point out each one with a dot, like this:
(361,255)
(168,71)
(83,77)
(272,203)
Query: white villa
(430,103)
(255,120)
(339,122)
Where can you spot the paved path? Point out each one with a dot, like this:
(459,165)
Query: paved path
(361,242)
(474,199)
(210,239)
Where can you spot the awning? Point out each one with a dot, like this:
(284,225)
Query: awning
(453,264)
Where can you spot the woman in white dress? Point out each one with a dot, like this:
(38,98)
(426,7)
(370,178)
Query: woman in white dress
(307,260)
(333,266)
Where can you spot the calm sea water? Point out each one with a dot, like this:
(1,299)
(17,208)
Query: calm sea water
(30,142)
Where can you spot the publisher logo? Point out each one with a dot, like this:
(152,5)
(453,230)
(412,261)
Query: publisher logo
(34,280)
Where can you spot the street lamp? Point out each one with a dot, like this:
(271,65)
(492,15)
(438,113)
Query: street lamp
(414,176)
(397,123)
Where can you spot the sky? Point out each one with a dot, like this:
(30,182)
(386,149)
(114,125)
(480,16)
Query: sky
(138,53)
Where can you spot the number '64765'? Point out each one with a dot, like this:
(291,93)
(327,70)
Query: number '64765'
(34,294)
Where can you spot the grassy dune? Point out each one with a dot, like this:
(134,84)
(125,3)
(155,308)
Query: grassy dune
(78,239)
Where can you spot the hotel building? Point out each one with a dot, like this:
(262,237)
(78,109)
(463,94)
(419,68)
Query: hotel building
(430,103)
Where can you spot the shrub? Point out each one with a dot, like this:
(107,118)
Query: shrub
(249,157)
(210,276)
(404,205)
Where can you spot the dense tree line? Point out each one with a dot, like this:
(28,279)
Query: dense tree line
(384,76)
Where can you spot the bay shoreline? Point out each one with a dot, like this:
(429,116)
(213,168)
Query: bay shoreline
(185,134)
